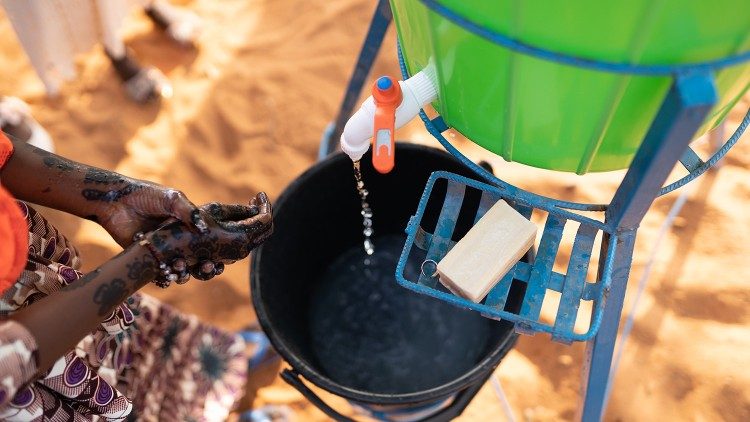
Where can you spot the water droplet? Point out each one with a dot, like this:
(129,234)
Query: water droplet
(367,222)
(367,213)
(369,247)
(367,232)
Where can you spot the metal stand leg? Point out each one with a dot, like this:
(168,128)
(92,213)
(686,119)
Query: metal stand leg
(598,357)
(688,102)
(684,109)
(381,19)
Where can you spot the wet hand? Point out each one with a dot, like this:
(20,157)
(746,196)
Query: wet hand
(233,231)
(131,206)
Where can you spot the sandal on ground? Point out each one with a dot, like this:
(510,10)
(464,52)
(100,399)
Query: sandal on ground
(263,352)
(142,84)
(182,25)
(268,413)
(147,85)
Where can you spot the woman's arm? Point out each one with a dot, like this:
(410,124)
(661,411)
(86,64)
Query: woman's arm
(58,323)
(122,205)
(35,175)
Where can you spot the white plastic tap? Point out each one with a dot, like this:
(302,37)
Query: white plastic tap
(417,91)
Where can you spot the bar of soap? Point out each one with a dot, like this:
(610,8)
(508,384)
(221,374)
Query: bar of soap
(488,251)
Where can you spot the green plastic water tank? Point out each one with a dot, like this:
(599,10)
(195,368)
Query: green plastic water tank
(560,117)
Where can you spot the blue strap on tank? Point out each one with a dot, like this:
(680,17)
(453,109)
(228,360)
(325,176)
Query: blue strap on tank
(598,65)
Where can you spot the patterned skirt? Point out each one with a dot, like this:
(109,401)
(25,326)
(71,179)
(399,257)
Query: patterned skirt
(145,361)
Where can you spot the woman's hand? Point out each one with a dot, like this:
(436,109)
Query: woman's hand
(128,206)
(232,231)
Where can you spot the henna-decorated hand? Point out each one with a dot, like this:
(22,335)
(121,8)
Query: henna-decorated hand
(129,206)
(232,232)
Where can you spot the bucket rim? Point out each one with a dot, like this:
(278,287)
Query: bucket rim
(475,374)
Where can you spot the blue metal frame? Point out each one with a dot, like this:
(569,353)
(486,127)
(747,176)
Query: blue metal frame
(538,275)
(681,114)
(599,350)
(684,109)
(697,167)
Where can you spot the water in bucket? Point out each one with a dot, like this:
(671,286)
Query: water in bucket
(361,333)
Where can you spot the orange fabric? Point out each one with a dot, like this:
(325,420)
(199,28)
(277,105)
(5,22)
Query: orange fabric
(6,149)
(14,236)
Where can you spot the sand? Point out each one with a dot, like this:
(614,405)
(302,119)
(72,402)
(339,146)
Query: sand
(247,114)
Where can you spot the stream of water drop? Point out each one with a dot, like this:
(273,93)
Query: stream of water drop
(366,212)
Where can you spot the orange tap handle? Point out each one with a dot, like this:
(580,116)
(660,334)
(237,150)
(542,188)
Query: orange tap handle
(387,96)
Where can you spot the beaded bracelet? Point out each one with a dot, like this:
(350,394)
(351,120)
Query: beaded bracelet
(166,275)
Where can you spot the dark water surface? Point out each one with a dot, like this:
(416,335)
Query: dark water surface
(371,334)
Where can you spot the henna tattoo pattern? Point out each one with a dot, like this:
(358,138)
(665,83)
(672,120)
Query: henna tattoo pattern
(107,296)
(83,281)
(54,161)
(109,195)
(176,231)
(160,241)
(105,178)
(204,247)
(88,278)
(58,163)
(143,268)
(235,250)
(102,177)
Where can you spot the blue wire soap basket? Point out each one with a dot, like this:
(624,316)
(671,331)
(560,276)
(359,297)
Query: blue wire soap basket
(448,194)
(445,195)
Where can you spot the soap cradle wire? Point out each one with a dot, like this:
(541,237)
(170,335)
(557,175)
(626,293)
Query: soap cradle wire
(449,193)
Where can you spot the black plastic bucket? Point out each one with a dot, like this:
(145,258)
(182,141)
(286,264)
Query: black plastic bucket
(317,220)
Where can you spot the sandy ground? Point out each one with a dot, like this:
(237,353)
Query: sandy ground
(249,108)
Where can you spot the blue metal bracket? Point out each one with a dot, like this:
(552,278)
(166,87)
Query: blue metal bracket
(690,160)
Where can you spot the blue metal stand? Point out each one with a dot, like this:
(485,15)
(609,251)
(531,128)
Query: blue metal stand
(685,108)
